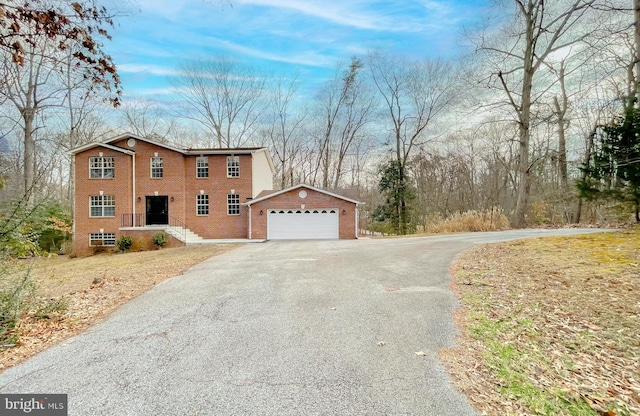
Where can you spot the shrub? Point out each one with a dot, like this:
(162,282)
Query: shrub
(14,303)
(470,221)
(124,242)
(159,239)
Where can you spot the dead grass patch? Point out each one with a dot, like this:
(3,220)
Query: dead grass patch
(469,221)
(88,289)
(550,326)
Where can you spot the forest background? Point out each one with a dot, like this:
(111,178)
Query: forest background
(534,122)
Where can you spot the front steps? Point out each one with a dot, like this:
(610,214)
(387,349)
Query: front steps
(185,235)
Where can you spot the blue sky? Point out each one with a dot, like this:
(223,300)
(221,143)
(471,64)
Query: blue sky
(308,37)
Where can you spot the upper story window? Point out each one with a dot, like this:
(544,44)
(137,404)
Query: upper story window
(202,167)
(102,206)
(233,204)
(202,204)
(156,167)
(233,166)
(101,167)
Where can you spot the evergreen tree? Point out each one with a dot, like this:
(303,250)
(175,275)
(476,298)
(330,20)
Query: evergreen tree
(613,172)
(399,194)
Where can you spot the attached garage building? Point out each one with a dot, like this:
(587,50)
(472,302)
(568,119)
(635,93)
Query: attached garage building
(303,212)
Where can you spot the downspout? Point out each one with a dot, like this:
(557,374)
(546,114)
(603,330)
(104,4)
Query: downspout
(357,220)
(73,202)
(250,222)
(133,192)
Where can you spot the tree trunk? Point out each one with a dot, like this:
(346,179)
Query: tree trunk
(524,115)
(524,171)
(28,115)
(561,110)
(636,39)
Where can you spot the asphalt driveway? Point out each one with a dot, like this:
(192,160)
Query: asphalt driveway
(280,328)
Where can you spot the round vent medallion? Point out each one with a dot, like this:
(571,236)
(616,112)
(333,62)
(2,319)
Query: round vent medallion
(302,194)
(131,142)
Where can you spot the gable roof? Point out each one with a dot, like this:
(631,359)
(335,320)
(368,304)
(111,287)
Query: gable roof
(100,144)
(190,151)
(270,194)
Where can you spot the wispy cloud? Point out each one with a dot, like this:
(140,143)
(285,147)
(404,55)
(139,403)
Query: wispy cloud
(304,58)
(147,69)
(336,12)
(311,36)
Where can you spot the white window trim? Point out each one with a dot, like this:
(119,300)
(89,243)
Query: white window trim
(198,167)
(151,167)
(233,165)
(198,204)
(102,168)
(236,197)
(110,237)
(102,206)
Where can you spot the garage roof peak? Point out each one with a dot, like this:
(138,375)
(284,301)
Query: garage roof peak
(270,194)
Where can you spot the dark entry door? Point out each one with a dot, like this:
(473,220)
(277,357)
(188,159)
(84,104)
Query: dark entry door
(157,210)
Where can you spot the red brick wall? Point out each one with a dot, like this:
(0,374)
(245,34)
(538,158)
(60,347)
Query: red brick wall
(314,200)
(119,186)
(218,224)
(171,184)
(178,182)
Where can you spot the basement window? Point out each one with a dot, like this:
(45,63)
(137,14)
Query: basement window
(102,239)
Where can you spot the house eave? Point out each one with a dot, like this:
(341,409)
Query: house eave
(292,188)
(99,144)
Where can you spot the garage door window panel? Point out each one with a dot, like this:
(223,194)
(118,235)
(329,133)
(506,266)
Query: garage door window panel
(302,224)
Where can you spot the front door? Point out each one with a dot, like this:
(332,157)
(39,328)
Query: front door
(157,210)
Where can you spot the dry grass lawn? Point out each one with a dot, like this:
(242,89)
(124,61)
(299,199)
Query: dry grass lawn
(91,288)
(550,326)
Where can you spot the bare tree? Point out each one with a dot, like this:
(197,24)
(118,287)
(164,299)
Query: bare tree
(413,95)
(30,89)
(284,131)
(226,97)
(41,43)
(538,29)
(344,107)
(72,26)
(148,119)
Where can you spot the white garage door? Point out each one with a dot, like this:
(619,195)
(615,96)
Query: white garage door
(292,224)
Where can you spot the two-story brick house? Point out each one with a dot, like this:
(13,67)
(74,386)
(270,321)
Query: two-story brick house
(134,186)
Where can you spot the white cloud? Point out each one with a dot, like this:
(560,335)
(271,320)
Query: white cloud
(308,58)
(332,11)
(146,69)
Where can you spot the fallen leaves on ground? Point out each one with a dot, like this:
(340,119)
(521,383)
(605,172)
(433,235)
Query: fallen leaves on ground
(570,310)
(93,287)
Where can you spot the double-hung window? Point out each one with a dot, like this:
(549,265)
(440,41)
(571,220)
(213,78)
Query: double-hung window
(202,167)
(102,239)
(202,204)
(233,166)
(156,167)
(233,204)
(102,206)
(101,167)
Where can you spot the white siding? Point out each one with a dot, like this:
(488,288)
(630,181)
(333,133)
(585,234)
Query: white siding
(262,179)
